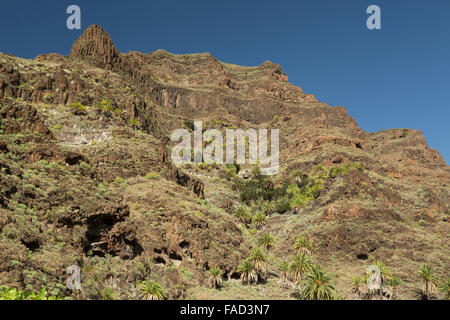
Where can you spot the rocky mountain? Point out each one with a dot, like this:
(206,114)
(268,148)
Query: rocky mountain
(87,180)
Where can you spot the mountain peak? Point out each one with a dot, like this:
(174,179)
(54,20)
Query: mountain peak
(96,45)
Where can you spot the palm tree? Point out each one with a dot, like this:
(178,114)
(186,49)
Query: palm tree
(243,215)
(284,267)
(152,290)
(256,205)
(318,286)
(258,260)
(384,271)
(357,281)
(244,268)
(215,279)
(444,287)
(393,284)
(267,183)
(107,293)
(298,177)
(302,245)
(256,172)
(259,219)
(248,273)
(429,281)
(268,207)
(299,266)
(238,185)
(267,241)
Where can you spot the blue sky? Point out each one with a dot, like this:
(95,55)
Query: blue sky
(396,77)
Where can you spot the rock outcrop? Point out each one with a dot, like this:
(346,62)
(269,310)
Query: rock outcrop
(96,46)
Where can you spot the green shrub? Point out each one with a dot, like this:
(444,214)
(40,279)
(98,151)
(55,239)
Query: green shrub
(283,205)
(106,105)
(152,175)
(231,172)
(77,108)
(260,187)
(319,171)
(189,124)
(310,190)
(256,173)
(152,290)
(14,294)
(119,180)
(84,167)
(243,214)
(48,97)
(343,170)
(135,123)
(296,191)
(259,219)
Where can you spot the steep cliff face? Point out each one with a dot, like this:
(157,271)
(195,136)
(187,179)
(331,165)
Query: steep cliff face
(87,179)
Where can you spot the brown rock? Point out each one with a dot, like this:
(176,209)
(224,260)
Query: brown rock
(96,46)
